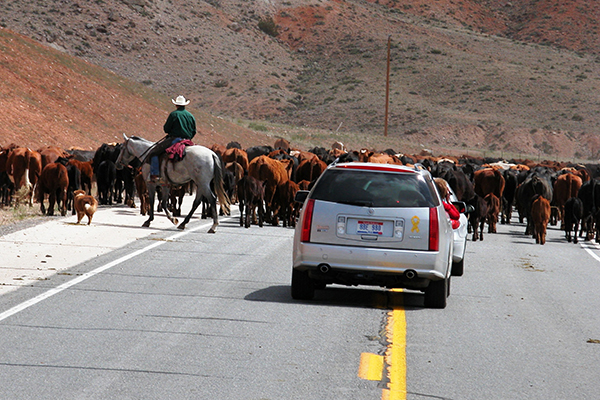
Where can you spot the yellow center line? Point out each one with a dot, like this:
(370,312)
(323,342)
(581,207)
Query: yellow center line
(395,356)
(372,366)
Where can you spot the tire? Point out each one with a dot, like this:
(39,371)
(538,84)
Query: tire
(303,288)
(436,294)
(458,268)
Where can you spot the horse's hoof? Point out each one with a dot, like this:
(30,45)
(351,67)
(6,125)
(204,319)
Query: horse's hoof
(175,221)
(146,224)
(211,230)
(182,226)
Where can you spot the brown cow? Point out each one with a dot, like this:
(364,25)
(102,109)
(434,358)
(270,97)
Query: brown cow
(273,173)
(237,155)
(23,166)
(338,146)
(383,158)
(288,208)
(219,149)
(493,210)
(540,214)
(282,144)
(566,186)
(51,153)
(142,191)
(488,180)
(303,155)
(54,181)
(310,170)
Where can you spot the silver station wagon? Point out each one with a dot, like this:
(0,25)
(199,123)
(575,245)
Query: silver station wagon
(373,224)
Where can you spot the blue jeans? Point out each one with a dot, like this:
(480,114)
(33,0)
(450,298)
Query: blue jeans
(154,162)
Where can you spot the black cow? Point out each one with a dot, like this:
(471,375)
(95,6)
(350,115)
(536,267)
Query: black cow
(82,155)
(251,194)
(572,217)
(456,178)
(7,189)
(589,193)
(508,195)
(233,145)
(351,156)
(478,216)
(256,151)
(74,181)
(105,179)
(107,153)
(538,182)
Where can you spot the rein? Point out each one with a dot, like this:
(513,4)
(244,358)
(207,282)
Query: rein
(143,156)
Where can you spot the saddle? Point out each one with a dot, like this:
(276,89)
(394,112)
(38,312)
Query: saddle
(176,152)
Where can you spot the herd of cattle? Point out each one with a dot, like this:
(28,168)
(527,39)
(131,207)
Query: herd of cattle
(263,180)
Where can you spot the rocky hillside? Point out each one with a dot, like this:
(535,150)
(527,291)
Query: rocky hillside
(492,76)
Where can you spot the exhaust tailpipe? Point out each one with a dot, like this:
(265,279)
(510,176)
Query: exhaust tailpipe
(410,274)
(324,268)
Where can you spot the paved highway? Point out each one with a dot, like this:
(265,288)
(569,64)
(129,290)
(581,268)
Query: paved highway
(115,311)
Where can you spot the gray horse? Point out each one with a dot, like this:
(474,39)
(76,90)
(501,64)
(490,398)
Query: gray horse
(200,165)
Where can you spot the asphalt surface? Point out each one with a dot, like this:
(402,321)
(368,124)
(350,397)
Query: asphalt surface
(60,243)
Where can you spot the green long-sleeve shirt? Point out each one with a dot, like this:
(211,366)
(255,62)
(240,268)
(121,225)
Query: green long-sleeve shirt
(181,124)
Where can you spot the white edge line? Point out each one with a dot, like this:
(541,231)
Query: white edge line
(586,247)
(41,297)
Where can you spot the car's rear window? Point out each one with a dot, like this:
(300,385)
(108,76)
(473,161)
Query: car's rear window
(374,189)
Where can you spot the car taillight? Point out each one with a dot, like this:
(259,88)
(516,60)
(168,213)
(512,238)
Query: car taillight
(434,230)
(307,220)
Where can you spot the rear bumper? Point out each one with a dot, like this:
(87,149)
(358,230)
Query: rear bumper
(369,266)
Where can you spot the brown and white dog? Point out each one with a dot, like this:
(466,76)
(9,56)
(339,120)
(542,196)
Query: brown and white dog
(84,205)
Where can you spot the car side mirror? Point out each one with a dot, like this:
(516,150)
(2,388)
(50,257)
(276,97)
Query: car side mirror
(462,207)
(301,195)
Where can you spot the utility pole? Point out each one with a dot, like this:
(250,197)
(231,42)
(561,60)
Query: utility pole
(387,88)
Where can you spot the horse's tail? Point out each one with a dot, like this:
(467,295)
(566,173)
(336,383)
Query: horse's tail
(218,182)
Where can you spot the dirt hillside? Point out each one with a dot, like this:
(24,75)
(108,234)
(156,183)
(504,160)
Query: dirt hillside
(489,77)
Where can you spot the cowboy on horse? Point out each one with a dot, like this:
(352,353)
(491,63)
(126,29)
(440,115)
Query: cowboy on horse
(180,125)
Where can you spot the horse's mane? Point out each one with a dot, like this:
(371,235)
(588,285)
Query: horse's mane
(139,138)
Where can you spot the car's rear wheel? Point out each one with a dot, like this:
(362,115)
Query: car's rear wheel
(458,268)
(437,293)
(303,288)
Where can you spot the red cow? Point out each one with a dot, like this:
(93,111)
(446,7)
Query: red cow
(54,181)
(540,214)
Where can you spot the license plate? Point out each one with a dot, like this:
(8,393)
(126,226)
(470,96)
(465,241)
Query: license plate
(370,228)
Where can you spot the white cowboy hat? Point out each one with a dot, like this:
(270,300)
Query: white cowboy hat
(180,101)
